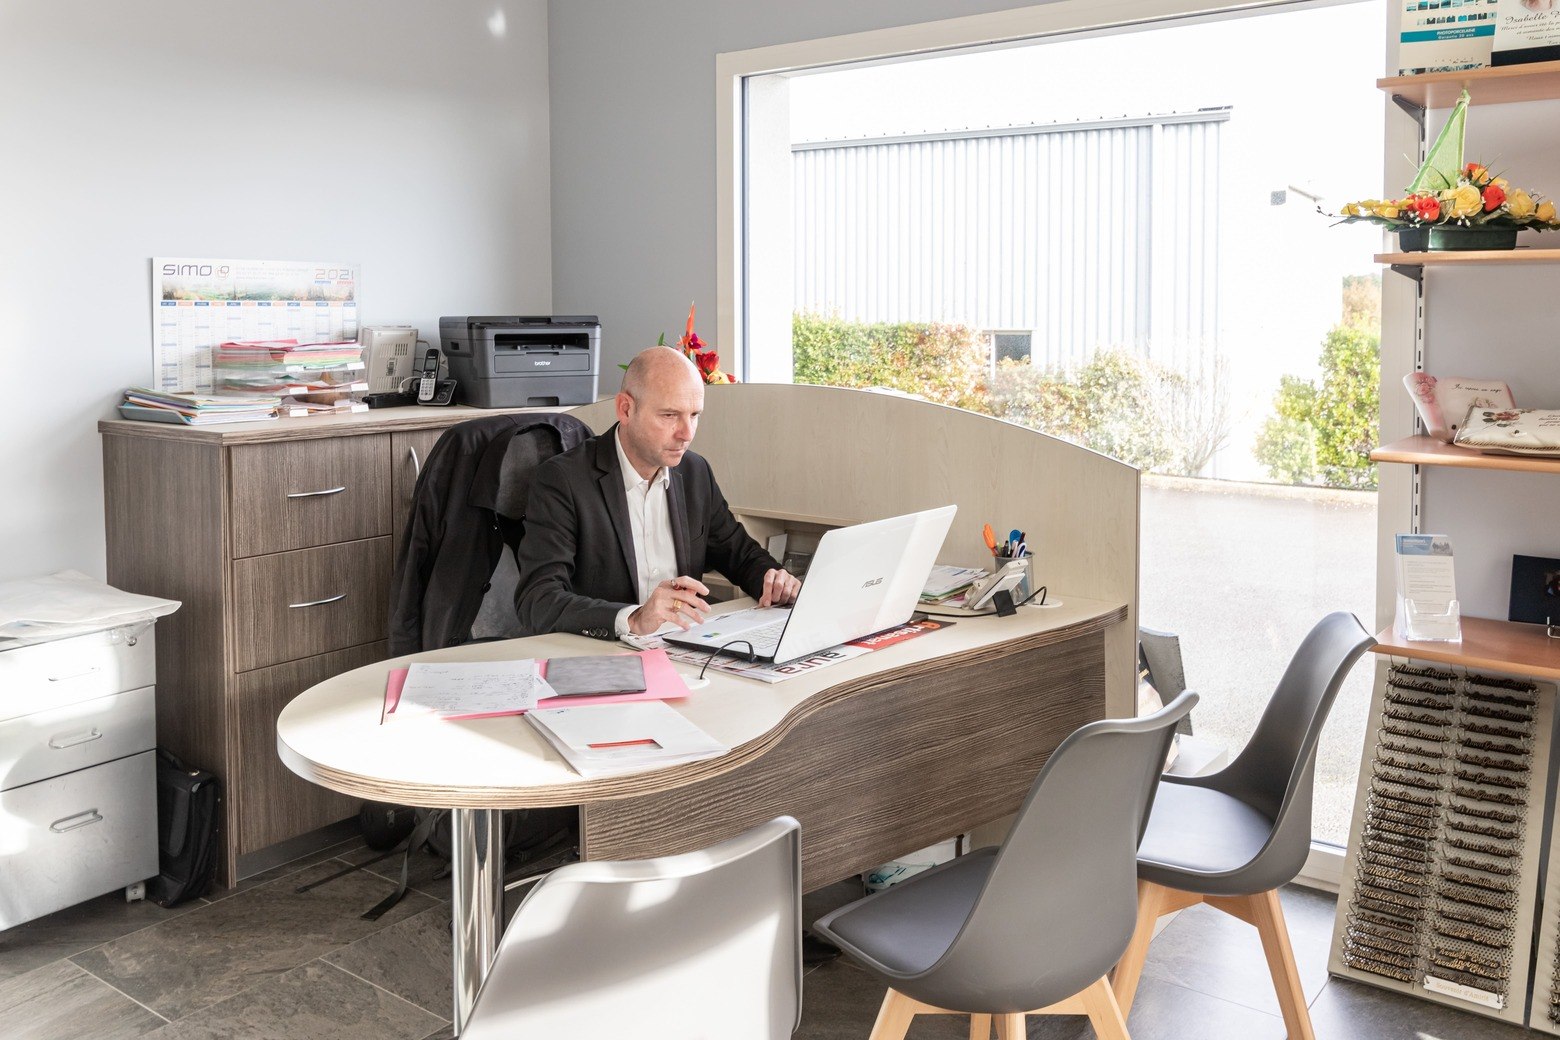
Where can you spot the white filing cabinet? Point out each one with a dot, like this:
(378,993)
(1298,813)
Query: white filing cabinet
(78,775)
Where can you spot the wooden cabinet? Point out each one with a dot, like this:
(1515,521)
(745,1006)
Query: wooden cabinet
(279,539)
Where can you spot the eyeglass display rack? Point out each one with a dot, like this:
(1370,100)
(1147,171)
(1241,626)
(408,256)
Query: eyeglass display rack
(1440,887)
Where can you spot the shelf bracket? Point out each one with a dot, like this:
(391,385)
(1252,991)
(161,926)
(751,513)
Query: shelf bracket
(1414,271)
(1413,108)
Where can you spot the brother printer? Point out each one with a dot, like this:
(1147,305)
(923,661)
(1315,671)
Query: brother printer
(515,362)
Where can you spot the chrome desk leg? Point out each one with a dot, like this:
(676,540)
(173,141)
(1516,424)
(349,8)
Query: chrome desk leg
(477,901)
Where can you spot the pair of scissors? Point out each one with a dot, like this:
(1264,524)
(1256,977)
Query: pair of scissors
(991,538)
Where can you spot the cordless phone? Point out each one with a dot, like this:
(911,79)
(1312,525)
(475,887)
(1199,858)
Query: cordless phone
(429,383)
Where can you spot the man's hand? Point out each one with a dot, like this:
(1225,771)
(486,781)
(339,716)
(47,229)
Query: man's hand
(677,601)
(780,589)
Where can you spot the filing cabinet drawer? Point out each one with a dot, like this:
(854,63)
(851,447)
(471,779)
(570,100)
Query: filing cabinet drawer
(295,494)
(299,604)
(63,740)
(51,675)
(77,836)
(274,803)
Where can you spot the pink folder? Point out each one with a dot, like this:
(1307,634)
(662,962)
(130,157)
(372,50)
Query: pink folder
(662,683)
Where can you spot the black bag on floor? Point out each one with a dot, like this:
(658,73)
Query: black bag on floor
(188,809)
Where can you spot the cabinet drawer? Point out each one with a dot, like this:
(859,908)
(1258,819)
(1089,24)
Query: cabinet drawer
(63,740)
(291,495)
(77,836)
(299,604)
(272,803)
(408,452)
(51,675)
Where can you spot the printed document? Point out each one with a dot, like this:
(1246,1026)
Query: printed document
(472,688)
(1427,589)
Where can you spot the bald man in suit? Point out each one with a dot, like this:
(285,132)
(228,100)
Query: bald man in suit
(619,529)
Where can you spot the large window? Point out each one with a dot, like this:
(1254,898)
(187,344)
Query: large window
(1135,262)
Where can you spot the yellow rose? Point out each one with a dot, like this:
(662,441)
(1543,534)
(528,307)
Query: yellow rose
(1503,182)
(1519,204)
(1466,201)
(1546,212)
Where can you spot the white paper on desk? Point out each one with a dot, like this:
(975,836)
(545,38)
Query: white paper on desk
(1427,588)
(599,739)
(472,688)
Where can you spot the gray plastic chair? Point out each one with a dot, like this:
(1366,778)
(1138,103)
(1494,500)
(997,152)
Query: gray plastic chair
(1031,927)
(1233,838)
(705,944)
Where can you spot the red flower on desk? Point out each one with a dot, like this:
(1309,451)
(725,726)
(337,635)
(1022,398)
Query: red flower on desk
(705,357)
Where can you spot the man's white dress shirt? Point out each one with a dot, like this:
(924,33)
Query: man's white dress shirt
(650,518)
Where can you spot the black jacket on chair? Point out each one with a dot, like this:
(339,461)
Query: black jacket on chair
(577,562)
(458,525)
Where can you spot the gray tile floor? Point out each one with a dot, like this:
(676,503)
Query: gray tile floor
(265,962)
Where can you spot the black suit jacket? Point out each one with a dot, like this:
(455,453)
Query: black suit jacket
(577,561)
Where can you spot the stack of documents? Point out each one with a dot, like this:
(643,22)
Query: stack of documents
(309,377)
(944,583)
(197,409)
(607,739)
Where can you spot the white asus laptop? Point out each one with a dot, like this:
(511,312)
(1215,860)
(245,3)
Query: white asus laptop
(863,579)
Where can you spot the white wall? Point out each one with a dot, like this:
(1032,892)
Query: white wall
(407,137)
(633,145)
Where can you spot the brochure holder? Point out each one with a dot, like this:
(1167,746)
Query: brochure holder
(1429,625)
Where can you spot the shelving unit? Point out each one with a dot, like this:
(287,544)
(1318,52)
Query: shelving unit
(1487,644)
(1423,450)
(1450,916)
(1471,258)
(1539,81)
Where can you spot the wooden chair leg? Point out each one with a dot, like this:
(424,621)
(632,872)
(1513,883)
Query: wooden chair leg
(894,1017)
(1124,980)
(1011,1027)
(1267,913)
(1104,1013)
(980,1027)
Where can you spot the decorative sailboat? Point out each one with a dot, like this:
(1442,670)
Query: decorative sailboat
(1452,204)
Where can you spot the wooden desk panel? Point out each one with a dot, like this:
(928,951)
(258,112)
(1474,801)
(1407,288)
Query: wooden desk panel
(882,769)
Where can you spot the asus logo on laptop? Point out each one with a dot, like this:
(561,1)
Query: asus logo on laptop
(874,581)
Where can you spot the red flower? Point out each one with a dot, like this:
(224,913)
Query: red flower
(1494,195)
(1429,207)
(708,361)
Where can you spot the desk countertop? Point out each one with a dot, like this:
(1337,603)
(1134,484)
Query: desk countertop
(331,733)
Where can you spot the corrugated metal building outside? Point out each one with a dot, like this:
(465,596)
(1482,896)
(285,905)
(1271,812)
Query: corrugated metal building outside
(1090,235)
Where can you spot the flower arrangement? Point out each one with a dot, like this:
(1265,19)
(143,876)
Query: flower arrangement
(1477,198)
(1450,196)
(695,350)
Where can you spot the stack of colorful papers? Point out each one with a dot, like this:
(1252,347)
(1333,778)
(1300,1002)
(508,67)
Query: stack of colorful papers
(310,377)
(197,409)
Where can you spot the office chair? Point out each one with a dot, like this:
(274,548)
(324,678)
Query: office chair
(1033,926)
(705,944)
(1231,839)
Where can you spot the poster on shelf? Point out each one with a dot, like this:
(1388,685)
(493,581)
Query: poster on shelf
(199,303)
(1527,31)
(1445,35)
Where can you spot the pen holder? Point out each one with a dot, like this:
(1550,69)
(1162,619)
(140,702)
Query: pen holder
(1024,588)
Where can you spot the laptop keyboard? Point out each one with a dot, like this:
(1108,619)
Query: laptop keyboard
(765,637)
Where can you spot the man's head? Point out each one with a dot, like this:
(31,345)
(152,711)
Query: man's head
(658,408)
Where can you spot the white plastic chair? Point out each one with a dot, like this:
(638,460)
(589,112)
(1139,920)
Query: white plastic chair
(702,945)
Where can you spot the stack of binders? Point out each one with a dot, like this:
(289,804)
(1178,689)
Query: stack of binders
(310,378)
(196,409)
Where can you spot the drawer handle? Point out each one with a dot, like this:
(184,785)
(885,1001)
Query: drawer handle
(416,462)
(317,602)
(311,494)
(72,675)
(83,819)
(61,743)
